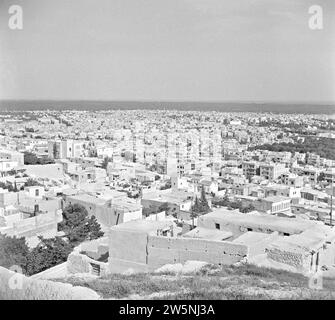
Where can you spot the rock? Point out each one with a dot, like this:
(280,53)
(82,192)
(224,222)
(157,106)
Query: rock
(189,267)
(15,286)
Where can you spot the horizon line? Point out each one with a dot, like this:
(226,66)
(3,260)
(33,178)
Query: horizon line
(175,101)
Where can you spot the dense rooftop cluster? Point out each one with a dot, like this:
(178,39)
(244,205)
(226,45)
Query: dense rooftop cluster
(259,183)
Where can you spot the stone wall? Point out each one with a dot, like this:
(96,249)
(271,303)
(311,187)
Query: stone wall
(142,252)
(327,255)
(307,261)
(79,262)
(128,245)
(297,260)
(124,266)
(166,250)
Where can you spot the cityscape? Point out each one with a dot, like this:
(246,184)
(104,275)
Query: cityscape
(165,156)
(94,193)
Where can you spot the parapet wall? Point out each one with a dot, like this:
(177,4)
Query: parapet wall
(15,286)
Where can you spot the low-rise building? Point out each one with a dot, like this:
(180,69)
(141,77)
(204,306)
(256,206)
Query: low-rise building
(272,171)
(271,205)
(107,212)
(250,169)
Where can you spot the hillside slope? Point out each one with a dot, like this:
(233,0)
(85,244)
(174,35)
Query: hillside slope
(211,282)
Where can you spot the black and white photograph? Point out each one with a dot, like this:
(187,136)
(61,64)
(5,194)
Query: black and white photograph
(167,154)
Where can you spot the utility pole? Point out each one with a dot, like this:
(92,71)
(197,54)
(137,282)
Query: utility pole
(331,202)
(331,193)
(331,208)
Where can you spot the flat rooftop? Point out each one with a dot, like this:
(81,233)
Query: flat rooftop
(125,204)
(143,226)
(253,238)
(210,234)
(172,196)
(259,221)
(84,197)
(317,193)
(311,239)
(275,199)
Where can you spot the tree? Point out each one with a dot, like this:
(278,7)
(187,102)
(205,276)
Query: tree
(237,204)
(78,226)
(48,253)
(31,158)
(3,222)
(12,172)
(324,147)
(13,252)
(105,162)
(203,201)
(199,207)
(196,210)
(93,229)
(321,177)
(8,186)
(166,186)
(164,207)
(31,182)
(247,209)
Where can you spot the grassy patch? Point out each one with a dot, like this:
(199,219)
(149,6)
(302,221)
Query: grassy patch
(211,282)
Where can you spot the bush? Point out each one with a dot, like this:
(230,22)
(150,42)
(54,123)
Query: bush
(13,252)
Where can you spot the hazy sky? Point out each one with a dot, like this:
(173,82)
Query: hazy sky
(241,50)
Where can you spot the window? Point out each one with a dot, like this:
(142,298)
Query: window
(37,192)
(95,269)
(249,229)
(217,226)
(286,234)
